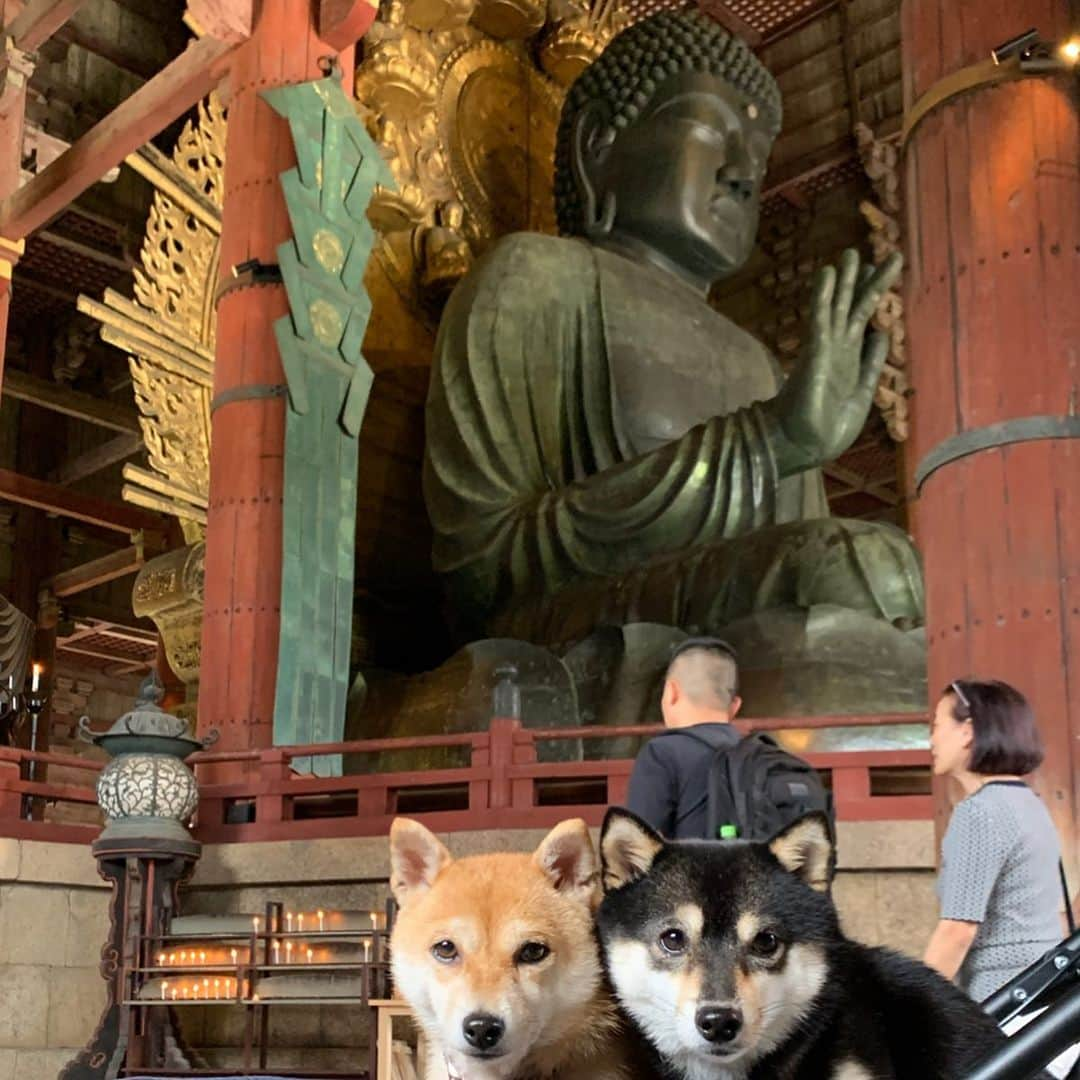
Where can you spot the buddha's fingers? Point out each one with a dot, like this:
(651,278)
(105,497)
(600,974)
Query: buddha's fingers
(821,323)
(845,290)
(874,353)
(882,279)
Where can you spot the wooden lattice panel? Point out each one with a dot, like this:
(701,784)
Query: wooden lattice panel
(639,9)
(769,16)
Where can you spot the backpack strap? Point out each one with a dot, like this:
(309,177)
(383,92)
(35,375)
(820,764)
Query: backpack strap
(715,748)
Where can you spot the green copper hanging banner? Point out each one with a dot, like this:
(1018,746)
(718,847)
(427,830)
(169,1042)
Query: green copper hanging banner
(327,195)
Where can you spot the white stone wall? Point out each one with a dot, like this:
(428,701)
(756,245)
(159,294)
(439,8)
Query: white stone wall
(53,922)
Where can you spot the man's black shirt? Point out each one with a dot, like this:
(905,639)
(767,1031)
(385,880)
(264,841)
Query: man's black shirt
(669,787)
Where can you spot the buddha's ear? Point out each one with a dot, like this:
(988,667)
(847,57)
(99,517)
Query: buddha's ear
(592,135)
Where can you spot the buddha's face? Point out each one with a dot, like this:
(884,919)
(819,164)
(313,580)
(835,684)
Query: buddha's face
(686,176)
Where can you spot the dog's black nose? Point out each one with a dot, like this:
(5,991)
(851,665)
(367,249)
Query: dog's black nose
(482,1030)
(718,1023)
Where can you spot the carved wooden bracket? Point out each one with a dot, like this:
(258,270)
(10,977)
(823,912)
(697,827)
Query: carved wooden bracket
(226,20)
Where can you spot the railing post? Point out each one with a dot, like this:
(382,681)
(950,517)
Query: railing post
(480,789)
(523,788)
(502,757)
(617,786)
(271,807)
(850,788)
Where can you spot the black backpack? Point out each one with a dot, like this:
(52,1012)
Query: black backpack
(759,787)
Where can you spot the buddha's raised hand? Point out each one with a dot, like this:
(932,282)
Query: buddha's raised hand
(823,406)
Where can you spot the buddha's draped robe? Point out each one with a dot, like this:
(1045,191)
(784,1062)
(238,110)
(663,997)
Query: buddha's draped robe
(596,453)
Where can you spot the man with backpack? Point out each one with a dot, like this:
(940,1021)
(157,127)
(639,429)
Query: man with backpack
(700,779)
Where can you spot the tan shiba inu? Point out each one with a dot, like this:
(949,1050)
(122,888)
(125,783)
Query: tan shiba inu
(497,958)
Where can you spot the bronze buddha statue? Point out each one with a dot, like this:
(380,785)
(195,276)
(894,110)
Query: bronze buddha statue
(605,449)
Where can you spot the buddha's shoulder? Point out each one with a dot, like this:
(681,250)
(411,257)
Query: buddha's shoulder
(538,256)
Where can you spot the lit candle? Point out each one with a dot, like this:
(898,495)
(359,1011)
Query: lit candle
(228,987)
(235,954)
(367,950)
(374,920)
(217,989)
(195,991)
(319,916)
(255,923)
(300,923)
(310,955)
(202,958)
(160,959)
(185,992)
(277,952)
(173,992)
(183,956)
(254,997)
(164,987)
(288,921)
(206,989)
(35,679)
(288,952)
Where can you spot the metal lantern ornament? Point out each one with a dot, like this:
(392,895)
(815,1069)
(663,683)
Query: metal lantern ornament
(147,791)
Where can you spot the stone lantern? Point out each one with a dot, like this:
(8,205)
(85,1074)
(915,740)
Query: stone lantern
(145,851)
(146,791)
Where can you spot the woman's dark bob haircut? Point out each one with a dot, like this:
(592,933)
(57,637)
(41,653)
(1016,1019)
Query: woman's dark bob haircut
(1006,740)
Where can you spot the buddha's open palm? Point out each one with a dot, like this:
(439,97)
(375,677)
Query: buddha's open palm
(823,406)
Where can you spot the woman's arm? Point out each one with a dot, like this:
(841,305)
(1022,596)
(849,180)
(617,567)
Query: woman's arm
(948,946)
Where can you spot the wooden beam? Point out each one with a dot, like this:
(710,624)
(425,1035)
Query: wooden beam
(39,20)
(170,93)
(61,399)
(858,483)
(801,169)
(344,22)
(84,251)
(93,461)
(78,579)
(119,517)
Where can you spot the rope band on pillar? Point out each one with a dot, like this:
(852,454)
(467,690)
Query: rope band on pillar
(251,392)
(969,79)
(1025,429)
(246,274)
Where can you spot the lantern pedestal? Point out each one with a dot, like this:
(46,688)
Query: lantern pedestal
(145,876)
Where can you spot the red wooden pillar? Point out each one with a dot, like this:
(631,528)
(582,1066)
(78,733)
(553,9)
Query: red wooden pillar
(994,325)
(243,550)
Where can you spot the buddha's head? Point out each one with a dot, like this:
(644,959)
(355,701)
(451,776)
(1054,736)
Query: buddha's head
(663,142)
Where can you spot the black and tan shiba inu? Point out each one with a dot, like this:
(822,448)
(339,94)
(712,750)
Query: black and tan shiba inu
(729,958)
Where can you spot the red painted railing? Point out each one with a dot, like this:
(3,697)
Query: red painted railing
(503,786)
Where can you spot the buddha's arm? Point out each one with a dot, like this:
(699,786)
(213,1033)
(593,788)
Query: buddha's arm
(718,480)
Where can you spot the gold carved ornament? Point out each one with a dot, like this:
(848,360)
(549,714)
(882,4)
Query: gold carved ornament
(168,331)
(464,98)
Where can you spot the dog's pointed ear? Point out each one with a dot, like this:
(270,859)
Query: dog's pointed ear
(568,858)
(627,848)
(805,848)
(416,857)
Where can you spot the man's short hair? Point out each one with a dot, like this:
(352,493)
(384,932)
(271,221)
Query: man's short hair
(714,678)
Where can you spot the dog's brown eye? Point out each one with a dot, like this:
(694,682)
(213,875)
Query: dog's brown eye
(673,941)
(532,952)
(444,951)
(765,944)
